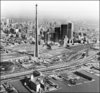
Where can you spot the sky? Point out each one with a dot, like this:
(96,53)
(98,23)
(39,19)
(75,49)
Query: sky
(55,9)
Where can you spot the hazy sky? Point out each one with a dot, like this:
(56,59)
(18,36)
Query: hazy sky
(55,9)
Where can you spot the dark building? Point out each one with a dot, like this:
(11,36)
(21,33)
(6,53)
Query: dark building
(69,31)
(57,34)
(53,36)
(63,30)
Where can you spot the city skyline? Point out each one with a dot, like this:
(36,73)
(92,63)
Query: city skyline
(53,9)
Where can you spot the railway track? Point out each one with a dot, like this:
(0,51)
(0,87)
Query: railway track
(16,54)
(51,68)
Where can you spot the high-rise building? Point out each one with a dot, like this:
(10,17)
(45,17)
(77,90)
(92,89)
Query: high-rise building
(63,30)
(53,36)
(70,31)
(57,34)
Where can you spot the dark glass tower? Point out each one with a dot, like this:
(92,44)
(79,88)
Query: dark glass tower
(63,31)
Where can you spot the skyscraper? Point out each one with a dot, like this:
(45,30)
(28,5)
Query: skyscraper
(63,30)
(70,31)
(57,34)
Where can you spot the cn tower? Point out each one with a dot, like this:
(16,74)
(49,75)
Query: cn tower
(36,34)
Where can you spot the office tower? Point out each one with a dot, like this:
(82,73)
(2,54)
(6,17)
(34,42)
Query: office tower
(63,30)
(57,34)
(69,31)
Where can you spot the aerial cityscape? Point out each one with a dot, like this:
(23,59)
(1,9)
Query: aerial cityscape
(49,46)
